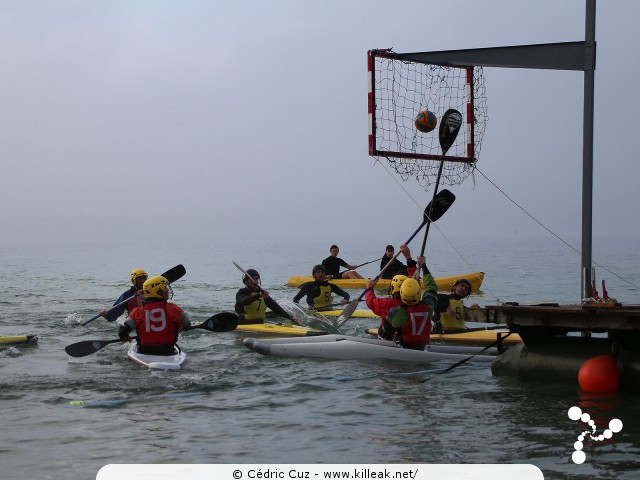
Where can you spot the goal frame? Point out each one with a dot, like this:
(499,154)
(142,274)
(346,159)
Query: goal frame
(470,157)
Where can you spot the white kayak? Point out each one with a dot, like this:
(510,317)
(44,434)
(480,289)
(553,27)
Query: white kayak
(157,362)
(344,347)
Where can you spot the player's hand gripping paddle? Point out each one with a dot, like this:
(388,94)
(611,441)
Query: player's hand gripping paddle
(261,290)
(173,274)
(436,208)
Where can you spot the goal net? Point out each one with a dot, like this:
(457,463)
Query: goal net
(400,88)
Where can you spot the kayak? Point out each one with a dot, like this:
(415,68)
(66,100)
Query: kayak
(483,337)
(470,350)
(279,329)
(16,339)
(360,313)
(480,336)
(157,362)
(343,347)
(443,283)
(356,313)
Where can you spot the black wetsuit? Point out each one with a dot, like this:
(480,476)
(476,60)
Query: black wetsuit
(396,268)
(333,264)
(315,289)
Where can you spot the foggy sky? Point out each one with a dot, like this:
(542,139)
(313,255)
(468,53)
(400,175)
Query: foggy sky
(234,118)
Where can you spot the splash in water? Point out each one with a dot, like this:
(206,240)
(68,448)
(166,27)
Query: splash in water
(73,319)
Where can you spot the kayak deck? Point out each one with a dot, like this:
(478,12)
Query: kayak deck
(343,347)
(279,329)
(356,314)
(157,362)
(443,283)
(482,337)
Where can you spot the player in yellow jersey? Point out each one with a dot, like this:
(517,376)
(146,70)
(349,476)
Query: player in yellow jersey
(252,301)
(319,291)
(450,309)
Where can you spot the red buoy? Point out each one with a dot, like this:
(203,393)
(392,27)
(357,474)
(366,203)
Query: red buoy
(599,375)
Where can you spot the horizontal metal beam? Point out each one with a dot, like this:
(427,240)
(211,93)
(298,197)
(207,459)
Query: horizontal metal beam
(555,56)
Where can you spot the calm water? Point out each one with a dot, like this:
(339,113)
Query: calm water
(231,405)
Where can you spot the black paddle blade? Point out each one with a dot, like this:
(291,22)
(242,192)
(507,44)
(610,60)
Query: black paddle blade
(87,347)
(449,128)
(175,273)
(220,322)
(438,206)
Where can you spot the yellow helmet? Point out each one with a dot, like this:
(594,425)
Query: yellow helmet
(137,273)
(396,283)
(155,287)
(410,292)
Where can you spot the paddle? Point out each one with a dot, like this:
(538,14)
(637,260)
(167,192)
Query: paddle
(477,329)
(361,265)
(173,274)
(220,322)
(449,128)
(464,360)
(467,330)
(437,207)
(261,290)
(314,319)
(88,347)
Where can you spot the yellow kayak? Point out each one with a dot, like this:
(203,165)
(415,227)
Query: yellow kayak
(14,339)
(443,283)
(356,313)
(279,329)
(483,337)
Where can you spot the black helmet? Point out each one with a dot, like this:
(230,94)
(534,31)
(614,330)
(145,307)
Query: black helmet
(318,267)
(463,281)
(253,273)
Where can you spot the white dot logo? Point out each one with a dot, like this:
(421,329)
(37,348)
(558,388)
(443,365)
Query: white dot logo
(575,413)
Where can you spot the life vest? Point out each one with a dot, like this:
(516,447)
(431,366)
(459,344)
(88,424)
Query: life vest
(136,301)
(157,323)
(256,310)
(324,296)
(457,321)
(414,324)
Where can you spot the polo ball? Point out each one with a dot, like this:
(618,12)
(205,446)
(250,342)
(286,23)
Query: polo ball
(77,403)
(426,121)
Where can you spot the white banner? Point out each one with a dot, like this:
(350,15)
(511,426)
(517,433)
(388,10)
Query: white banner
(320,472)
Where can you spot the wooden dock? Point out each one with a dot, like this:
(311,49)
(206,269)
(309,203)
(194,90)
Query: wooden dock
(535,323)
(549,354)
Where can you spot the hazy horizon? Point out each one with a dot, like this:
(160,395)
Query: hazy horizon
(213,120)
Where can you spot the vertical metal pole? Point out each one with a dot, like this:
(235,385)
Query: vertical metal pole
(587,149)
